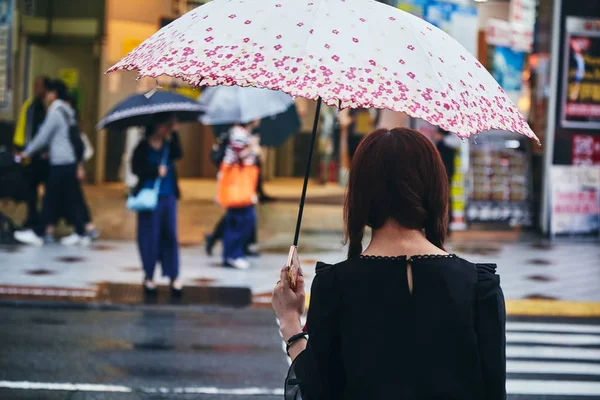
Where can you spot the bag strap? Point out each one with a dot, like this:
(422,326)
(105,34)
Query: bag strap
(165,162)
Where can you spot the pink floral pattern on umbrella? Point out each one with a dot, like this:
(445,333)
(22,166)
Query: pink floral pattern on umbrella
(351,53)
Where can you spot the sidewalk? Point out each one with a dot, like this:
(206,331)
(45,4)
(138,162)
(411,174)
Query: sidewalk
(565,272)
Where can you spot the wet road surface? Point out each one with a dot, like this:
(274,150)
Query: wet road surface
(232,352)
(217,353)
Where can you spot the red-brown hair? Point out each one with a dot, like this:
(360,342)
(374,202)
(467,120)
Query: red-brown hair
(396,174)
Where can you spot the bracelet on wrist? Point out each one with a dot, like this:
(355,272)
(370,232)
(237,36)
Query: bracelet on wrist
(294,339)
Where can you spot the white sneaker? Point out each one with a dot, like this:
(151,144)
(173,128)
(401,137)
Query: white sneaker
(29,237)
(72,240)
(85,240)
(239,263)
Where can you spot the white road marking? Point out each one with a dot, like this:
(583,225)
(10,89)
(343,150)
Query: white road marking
(514,386)
(564,353)
(551,327)
(553,338)
(88,387)
(553,388)
(546,367)
(67,387)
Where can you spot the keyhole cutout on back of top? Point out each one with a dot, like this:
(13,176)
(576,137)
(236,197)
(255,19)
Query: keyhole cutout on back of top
(409,277)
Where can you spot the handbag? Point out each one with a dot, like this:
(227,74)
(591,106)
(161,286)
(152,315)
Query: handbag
(237,185)
(147,198)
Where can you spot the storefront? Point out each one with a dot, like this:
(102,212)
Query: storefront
(571,206)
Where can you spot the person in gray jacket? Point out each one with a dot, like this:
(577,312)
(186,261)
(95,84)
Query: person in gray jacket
(63,187)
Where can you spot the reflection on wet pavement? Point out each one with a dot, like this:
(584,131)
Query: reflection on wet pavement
(120,293)
(539,297)
(539,261)
(40,271)
(542,246)
(541,278)
(70,259)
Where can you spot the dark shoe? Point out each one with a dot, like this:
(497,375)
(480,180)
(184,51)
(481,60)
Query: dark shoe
(150,287)
(209,243)
(176,288)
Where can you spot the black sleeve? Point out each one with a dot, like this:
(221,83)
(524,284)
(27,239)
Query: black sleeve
(318,373)
(491,334)
(175,149)
(140,165)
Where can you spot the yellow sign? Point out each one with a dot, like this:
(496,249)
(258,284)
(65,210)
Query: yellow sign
(70,76)
(129,45)
(190,92)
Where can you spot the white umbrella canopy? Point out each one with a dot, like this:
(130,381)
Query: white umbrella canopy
(235,104)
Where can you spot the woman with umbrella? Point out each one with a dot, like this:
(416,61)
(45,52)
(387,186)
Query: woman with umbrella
(154,159)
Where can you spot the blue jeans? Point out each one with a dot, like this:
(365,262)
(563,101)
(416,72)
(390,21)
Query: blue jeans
(239,226)
(157,238)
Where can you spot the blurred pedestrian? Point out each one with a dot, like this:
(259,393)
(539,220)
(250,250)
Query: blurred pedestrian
(63,186)
(30,119)
(83,209)
(443,317)
(238,177)
(447,145)
(217,155)
(155,158)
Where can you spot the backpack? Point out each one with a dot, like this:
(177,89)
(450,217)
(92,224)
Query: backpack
(75,137)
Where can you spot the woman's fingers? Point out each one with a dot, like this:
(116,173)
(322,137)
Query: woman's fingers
(300,285)
(284,274)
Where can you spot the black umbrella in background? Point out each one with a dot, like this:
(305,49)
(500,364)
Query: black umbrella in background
(275,131)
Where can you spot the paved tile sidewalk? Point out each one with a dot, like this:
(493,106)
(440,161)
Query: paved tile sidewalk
(562,271)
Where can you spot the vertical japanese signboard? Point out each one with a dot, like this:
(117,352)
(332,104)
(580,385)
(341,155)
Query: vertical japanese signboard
(581,74)
(575,200)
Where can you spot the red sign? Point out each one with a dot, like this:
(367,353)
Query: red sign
(586,150)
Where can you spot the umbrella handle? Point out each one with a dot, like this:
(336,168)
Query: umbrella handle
(307,174)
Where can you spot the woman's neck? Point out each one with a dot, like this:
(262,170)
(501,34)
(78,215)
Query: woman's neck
(393,239)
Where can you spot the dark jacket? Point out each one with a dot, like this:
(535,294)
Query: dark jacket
(146,171)
(371,338)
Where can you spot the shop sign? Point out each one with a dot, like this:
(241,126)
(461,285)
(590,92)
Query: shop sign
(586,150)
(514,214)
(575,200)
(505,34)
(581,74)
(508,71)
(522,12)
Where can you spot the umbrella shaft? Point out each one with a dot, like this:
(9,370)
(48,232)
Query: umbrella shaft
(307,174)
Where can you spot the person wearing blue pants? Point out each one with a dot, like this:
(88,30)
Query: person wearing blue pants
(240,220)
(157,229)
(240,224)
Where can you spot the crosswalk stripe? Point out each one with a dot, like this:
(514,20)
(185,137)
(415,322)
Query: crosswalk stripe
(549,367)
(552,352)
(552,388)
(551,327)
(553,338)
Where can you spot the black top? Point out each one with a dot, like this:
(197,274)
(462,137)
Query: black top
(370,338)
(145,171)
